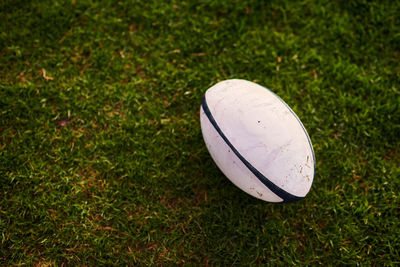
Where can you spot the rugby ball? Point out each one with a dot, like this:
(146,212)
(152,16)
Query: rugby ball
(257,141)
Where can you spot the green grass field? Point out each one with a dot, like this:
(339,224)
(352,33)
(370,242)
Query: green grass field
(102,160)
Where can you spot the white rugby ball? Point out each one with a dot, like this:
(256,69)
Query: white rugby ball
(257,141)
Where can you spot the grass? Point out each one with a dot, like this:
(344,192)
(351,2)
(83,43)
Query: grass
(102,161)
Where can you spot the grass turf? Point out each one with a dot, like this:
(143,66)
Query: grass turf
(101,155)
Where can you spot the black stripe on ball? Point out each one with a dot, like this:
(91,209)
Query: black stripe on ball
(286,196)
